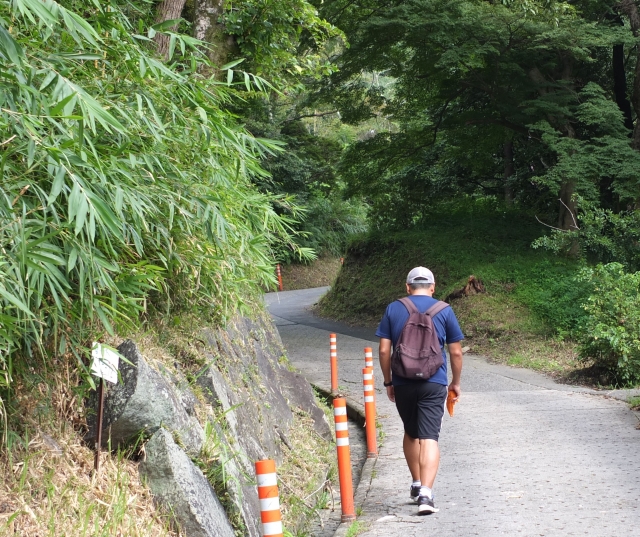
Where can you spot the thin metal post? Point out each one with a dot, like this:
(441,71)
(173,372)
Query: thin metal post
(96,461)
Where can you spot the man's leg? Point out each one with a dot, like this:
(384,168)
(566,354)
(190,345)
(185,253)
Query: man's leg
(423,459)
(411,448)
(429,462)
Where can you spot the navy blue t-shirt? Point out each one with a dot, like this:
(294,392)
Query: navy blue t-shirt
(445,323)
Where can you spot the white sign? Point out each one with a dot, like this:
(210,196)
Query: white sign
(105,363)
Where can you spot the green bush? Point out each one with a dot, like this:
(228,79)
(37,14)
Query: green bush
(550,290)
(611,333)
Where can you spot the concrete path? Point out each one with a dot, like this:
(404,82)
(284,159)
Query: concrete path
(523,456)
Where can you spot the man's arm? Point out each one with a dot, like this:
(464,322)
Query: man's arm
(385,364)
(455,357)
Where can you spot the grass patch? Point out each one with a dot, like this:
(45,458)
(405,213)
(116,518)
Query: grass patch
(357,527)
(305,476)
(319,273)
(47,485)
(634,402)
(506,331)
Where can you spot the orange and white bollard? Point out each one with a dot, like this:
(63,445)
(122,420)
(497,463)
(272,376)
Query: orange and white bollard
(368,357)
(279,273)
(269,498)
(344,459)
(370,413)
(333,356)
(342,260)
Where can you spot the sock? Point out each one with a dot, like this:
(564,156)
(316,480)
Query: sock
(416,483)
(426,491)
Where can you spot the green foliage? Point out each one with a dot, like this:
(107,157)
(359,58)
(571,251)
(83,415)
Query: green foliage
(456,241)
(603,151)
(283,39)
(330,222)
(126,185)
(611,333)
(470,79)
(307,170)
(601,235)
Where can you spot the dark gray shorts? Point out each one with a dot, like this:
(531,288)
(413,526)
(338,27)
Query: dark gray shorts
(421,407)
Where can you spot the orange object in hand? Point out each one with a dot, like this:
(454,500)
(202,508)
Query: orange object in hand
(451,402)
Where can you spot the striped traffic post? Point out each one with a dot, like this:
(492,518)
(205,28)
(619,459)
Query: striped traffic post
(370,413)
(269,498)
(344,459)
(279,273)
(368,357)
(333,356)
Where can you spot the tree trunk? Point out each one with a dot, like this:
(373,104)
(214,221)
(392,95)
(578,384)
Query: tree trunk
(630,9)
(208,29)
(508,172)
(167,10)
(568,205)
(620,85)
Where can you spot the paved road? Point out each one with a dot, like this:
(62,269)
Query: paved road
(523,456)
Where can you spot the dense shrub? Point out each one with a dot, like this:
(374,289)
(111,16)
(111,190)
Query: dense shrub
(611,333)
(602,235)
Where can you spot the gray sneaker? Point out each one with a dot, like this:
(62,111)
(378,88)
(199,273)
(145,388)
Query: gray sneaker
(414,492)
(425,506)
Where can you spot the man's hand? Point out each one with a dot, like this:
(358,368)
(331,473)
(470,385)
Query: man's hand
(391,394)
(455,388)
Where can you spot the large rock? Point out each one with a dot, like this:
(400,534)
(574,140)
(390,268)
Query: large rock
(243,381)
(178,485)
(298,392)
(142,403)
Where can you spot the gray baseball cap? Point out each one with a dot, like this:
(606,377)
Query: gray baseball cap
(420,275)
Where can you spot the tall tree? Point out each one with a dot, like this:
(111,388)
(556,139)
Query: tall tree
(167,10)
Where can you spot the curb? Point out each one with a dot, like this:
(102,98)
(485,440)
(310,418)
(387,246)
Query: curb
(355,411)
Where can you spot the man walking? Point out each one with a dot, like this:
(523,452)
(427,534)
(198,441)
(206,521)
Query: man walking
(420,401)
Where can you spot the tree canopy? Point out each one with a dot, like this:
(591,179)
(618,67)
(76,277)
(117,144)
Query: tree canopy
(524,100)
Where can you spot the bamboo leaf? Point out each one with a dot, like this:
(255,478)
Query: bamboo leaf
(10,48)
(172,45)
(73,258)
(15,301)
(81,213)
(231,64)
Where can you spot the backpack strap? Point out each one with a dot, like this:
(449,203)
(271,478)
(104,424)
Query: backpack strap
(431,312)
(436,308)
(408,303)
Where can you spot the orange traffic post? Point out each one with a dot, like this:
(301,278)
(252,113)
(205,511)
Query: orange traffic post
(370,413)
(344,459)
(269,498)
(333,356)
(279,273)
(368,357)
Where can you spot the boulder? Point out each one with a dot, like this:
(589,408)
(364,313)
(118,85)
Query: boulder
(181,488)
(244,384)
(142,403)
(298,392)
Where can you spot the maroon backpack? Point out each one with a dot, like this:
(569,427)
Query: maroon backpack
(417,353)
